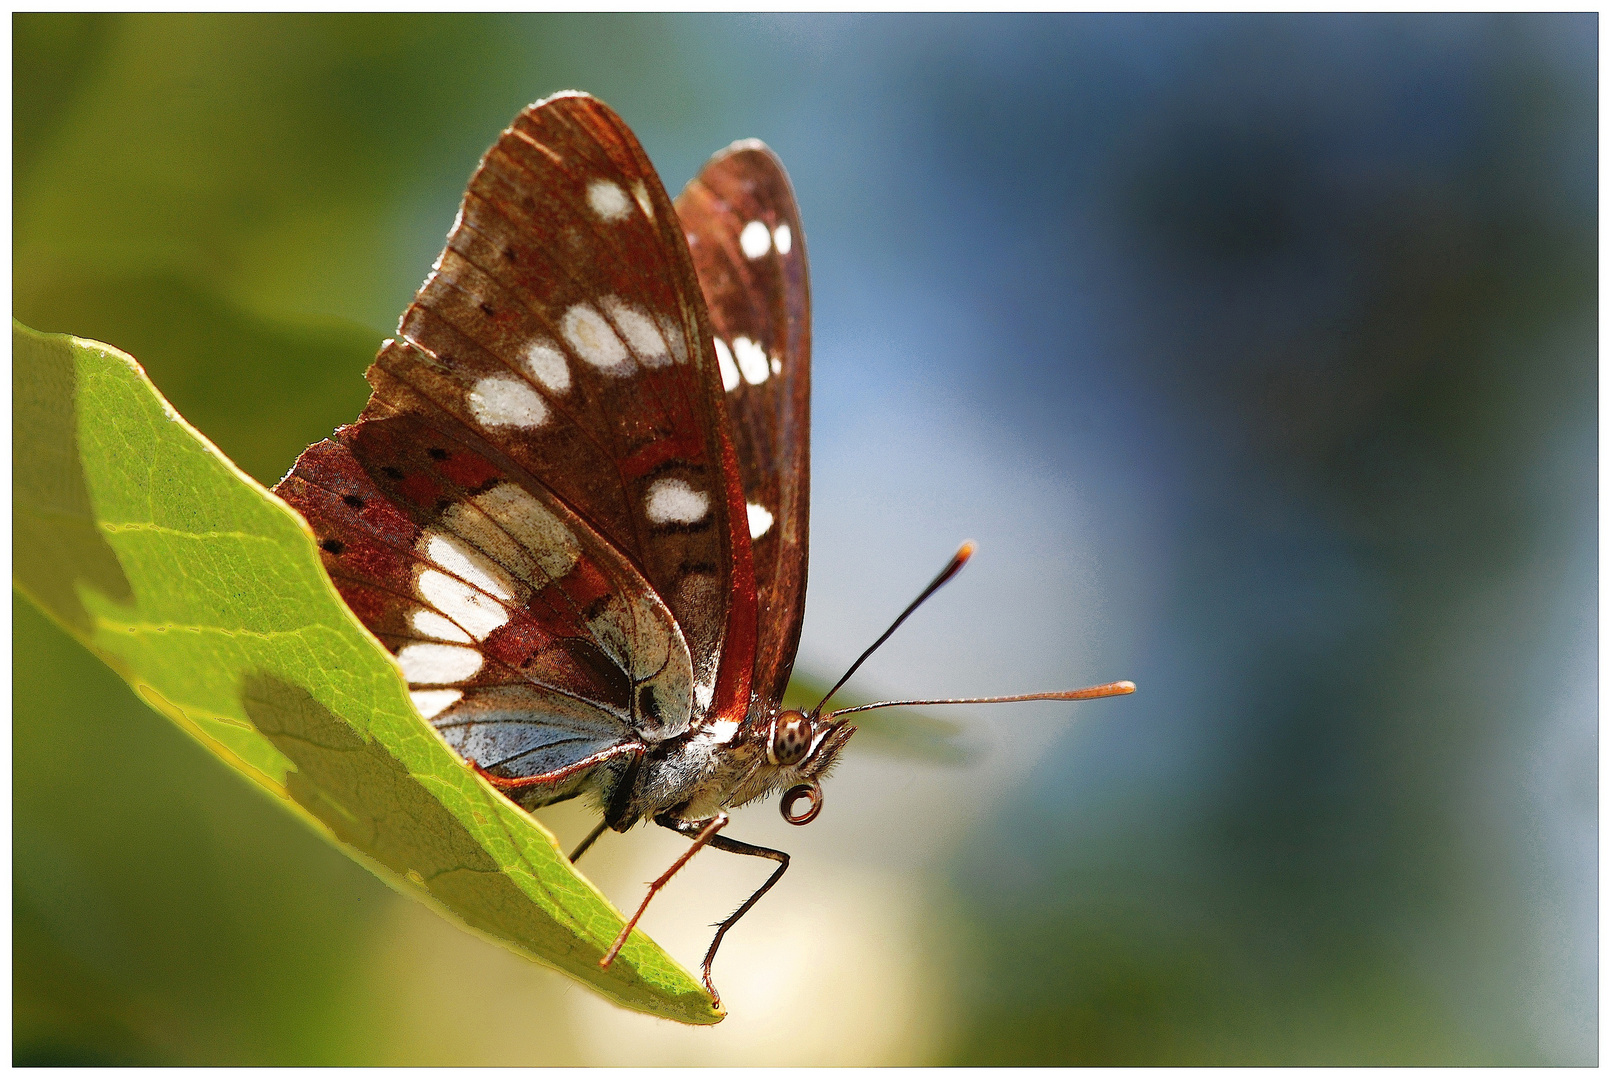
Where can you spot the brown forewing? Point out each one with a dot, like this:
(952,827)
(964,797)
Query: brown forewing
(758,293)
(561,337)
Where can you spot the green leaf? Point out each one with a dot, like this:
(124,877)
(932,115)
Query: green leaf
(206,594)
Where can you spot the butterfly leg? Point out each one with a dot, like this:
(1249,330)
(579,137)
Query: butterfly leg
(616,815)
(706,832)
(598,830)
(737,847)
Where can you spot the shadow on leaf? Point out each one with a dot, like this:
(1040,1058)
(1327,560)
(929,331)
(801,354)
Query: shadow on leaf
(56,543)
(399,823)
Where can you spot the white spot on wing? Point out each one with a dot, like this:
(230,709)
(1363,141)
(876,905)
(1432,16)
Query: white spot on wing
(783,237)
(777,366)
(432,625)
(535,526)
(755,240)
(427,664)
(673,336)
(608,200)
(640,192)
(457,557)
(752,361)
(640,331)
(587,332)
(724,360)
(547,365)
(468,522)
(673,501)
(760,520)
(472,609)
(505,401)
(431,702)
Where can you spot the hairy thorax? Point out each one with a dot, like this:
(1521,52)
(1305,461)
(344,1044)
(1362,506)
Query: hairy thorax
(697,773)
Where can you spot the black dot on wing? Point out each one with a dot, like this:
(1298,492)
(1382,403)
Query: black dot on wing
(486,309)
(509,253)
(334,547)
(353,501)
(392,471)
(438,453)
(666,528)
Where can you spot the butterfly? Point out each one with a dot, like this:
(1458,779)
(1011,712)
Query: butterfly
(575,507)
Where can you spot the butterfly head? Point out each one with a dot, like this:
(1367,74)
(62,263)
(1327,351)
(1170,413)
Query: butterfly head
(801,749)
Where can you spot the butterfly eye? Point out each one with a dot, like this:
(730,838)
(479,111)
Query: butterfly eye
(812,794)
(791,738)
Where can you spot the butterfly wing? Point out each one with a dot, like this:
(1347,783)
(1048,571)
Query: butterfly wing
(543,467)
(744,234)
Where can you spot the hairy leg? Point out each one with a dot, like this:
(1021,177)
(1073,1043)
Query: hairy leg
(704,831)
(598,830)
(737,847)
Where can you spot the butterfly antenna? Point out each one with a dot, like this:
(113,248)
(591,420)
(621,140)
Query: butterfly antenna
(958,561)
(1112,689)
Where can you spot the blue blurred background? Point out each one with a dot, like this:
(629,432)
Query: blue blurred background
(1258,354)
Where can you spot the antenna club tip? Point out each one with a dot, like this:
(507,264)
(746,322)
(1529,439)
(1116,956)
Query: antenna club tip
(1125,686)
(965,552)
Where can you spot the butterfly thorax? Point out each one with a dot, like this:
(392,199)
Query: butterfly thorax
(697,773)
(720,765)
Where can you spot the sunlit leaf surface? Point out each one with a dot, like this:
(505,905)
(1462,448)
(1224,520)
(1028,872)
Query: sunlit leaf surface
(205,593)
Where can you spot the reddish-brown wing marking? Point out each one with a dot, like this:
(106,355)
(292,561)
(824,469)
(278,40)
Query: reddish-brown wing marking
(527,640)
(559,357)
(748,247)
